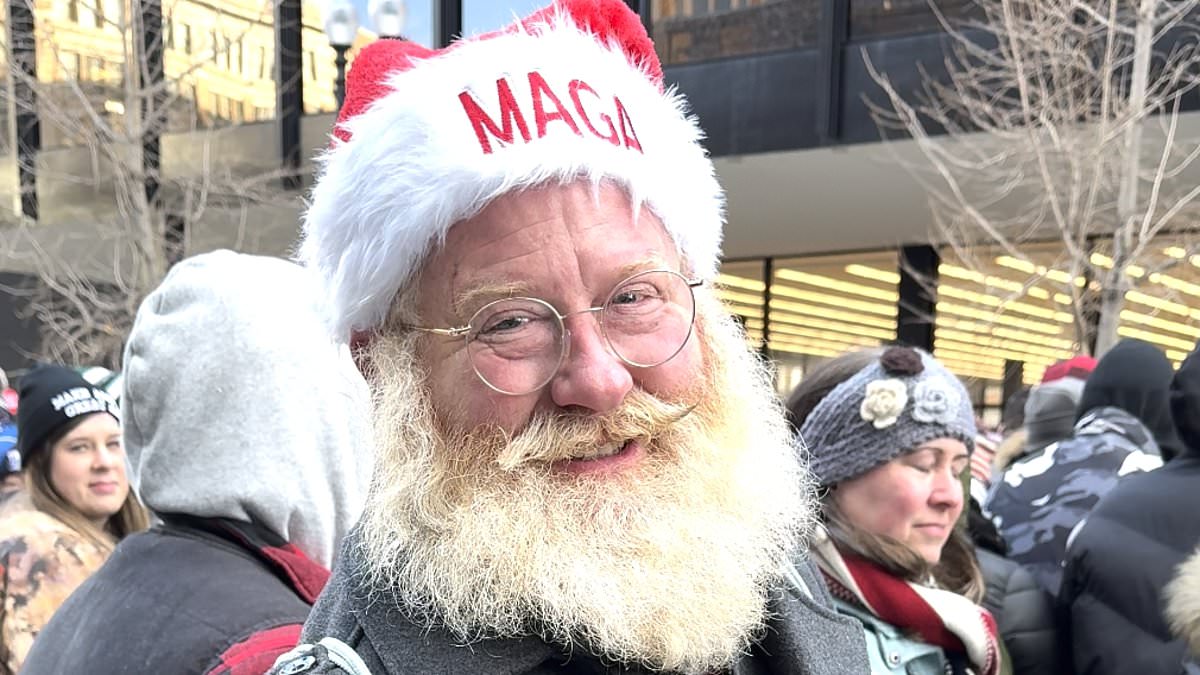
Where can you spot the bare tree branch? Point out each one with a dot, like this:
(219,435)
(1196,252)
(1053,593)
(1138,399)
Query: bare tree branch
(90,281)
(1059,120)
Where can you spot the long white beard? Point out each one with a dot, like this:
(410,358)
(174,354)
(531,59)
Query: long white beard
(669,565)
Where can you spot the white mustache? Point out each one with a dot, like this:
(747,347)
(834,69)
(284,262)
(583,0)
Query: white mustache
(554,437)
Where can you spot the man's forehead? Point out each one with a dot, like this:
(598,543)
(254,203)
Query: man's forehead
(573,220)
(472,290)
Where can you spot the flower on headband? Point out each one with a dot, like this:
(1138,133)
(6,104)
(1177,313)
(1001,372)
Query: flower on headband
(884,402)
(935,400)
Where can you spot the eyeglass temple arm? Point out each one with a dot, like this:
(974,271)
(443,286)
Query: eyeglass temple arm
(451,332)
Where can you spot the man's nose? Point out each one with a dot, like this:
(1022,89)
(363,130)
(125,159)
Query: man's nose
(592,376)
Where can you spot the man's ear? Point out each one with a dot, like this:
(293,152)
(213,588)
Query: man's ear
(360,349)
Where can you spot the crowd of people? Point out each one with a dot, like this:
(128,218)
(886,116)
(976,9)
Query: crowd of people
(496,420)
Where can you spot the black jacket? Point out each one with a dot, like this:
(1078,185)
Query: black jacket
(192,596)
(1024,615)
(1117,566)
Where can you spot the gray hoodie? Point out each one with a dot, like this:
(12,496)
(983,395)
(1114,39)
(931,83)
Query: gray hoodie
(237,405)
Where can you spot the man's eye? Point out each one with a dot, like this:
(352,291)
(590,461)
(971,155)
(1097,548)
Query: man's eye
(502,324)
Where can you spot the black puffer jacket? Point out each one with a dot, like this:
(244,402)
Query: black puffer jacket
(1023,610)
(1024,615)
(1119,563)
(1127,550)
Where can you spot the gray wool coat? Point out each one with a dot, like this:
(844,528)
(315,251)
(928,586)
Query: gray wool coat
(805,637)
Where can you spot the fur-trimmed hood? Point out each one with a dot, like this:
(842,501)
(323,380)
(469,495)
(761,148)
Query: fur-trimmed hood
(1183,603)
(1009,449)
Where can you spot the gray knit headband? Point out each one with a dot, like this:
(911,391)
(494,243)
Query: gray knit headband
(893,405)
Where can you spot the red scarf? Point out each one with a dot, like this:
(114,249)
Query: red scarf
(935,616)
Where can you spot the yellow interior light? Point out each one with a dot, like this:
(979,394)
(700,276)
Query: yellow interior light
(801,312)
(989,343)
(1014,305)
(731,281)
(880,334)
(1018,265)
(873,273)
(1129,331)
(831,284)
(1162,324)
(835,301)
(1158,303)
(1175,284)
(993,318)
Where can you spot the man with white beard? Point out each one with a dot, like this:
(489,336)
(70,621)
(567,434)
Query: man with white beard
(580,468)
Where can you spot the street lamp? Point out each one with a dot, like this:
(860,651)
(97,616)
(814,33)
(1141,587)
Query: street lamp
(388,16)
(341,25)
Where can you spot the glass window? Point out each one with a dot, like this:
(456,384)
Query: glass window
(95,69)
(1163,305)
(696,30)
(894,17)
(820,306)
(991,310)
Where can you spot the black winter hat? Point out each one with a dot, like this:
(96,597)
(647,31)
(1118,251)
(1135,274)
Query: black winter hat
(52,396)
(1134,376)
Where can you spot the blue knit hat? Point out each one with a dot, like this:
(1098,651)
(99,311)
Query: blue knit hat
(889,407)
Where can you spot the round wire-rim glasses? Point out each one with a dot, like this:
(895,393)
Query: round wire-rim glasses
(502,335)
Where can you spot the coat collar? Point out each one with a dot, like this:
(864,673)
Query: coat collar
(305,576)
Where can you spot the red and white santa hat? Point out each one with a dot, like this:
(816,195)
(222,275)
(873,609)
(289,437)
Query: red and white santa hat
(427,138)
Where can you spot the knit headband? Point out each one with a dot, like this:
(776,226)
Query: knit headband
(889,407)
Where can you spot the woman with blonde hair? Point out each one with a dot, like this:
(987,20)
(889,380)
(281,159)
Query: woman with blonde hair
(78,502)
(888,435)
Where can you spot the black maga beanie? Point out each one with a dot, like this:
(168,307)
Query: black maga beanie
(52,396)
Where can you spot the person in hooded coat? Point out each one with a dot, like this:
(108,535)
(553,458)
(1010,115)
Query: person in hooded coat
(1049,418)
(1122,415)
(246,428)
(1127,550)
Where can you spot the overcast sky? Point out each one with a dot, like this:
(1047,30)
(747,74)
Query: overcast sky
(478,16)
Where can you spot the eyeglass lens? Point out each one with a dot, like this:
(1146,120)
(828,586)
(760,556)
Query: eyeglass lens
(516,345)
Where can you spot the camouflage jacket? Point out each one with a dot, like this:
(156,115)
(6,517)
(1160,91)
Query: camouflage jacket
(1042,497)
(41,562)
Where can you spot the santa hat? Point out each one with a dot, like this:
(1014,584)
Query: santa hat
(427,138)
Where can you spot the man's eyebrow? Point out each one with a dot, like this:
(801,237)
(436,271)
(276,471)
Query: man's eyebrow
(650,262)
(474,297)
